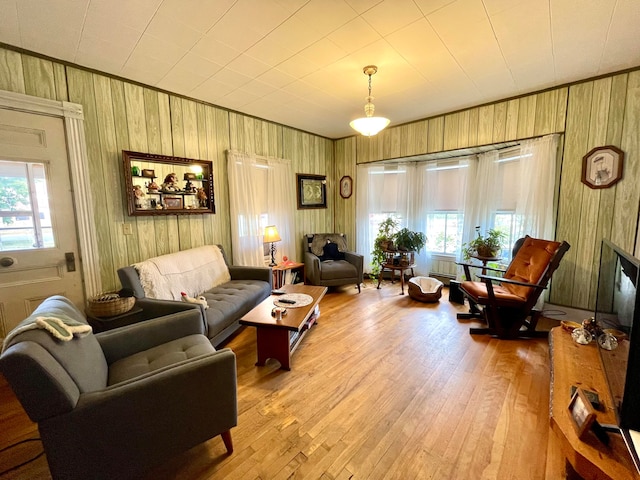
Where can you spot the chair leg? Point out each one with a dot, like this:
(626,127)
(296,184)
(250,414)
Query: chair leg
(358,288)
(228,443)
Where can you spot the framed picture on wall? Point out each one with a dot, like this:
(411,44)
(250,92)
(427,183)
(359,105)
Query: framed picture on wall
(312,191)
(602,167)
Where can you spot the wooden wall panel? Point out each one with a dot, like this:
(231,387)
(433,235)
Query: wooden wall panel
(11,71)
(571,191)
(39,78)
(624,230)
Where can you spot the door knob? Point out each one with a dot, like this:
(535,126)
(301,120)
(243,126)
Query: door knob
(6,261)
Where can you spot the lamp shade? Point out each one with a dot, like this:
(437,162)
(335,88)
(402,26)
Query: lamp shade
(369,126)
(271,234)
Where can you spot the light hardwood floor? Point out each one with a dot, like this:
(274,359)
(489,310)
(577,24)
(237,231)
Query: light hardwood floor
(383,387)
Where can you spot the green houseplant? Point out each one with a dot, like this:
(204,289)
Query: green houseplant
(409,241)
(382,244)
(389,239)
(487,246)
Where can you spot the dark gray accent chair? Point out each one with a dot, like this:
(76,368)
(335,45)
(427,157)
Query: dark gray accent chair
(115,404)
(330,267)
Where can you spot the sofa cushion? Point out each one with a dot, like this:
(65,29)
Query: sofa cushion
(337,269)
(159,357)
(192,271)
(229,302)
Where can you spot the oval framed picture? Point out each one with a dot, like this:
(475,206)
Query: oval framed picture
(346,186)
(602,167)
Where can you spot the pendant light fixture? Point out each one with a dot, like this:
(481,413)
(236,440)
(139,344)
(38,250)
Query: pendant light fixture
(369,125)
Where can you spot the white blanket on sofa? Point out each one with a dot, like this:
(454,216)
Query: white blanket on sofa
(192,271)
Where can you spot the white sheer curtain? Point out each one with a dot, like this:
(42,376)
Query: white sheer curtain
(388,190)
(538,174)
(261,192)
(480,201)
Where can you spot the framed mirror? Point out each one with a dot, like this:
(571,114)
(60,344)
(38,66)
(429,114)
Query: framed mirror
(164,185)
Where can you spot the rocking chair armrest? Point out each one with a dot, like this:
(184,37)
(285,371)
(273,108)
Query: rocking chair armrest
(475,265)
(508,280)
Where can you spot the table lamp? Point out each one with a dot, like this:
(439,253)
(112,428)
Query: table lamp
(271,236)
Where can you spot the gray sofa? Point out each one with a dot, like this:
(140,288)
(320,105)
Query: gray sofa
(242,289)
(115,404)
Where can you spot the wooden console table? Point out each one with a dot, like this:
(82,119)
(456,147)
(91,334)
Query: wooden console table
(573,364)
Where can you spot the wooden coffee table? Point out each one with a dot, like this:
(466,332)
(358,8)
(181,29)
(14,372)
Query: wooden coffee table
(278,339)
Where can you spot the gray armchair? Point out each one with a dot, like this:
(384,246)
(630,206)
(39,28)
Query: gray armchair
(115,404)
(328,262)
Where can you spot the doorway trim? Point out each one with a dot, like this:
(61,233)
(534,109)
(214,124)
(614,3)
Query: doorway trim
(73,117)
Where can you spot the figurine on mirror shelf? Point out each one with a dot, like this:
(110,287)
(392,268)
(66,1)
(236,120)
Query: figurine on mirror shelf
(138,194)
(170,183)
(152,187)
(201,195)
(189,187)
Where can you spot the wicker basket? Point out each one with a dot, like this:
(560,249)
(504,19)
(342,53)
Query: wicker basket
(110,304)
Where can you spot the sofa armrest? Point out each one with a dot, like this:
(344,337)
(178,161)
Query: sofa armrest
(251,273)
(357,261)
(125,341)
(312,268)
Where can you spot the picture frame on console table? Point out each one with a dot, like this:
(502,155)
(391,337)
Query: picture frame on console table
(582,413)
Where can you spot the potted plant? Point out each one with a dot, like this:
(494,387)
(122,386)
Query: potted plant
(487,246)
(382,244)
(409,241)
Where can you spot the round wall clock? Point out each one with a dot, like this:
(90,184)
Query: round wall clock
(602,167)
(346,186)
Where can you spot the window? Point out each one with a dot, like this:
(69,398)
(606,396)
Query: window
(445,232)
(445,183)
(510,224)
(24,207)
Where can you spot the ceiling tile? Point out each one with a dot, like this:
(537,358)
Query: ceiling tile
(214,50)
(172,30)
(314,14)
(135,14)
(354,35)
(199,15)
(248,66)
(10,26)
(392,15)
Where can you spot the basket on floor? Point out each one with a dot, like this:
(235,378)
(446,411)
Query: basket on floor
(109,304)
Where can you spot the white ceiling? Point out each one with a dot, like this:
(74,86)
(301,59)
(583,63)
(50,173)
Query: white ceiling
(299,62)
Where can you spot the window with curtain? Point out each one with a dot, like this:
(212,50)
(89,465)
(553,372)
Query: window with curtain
(510,189)
(443,195)
(261,192)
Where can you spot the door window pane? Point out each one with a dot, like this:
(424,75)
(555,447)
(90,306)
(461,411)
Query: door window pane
(25,218)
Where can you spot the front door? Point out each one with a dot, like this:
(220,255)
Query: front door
(38,239)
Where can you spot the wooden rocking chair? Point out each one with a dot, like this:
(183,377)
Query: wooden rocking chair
(509,307)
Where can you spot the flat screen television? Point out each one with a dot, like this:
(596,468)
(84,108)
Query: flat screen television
(618,307)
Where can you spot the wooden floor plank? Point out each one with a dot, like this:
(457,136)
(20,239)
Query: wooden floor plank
(384,387)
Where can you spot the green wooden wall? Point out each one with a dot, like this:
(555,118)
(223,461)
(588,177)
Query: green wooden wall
(120,115)
(589,114)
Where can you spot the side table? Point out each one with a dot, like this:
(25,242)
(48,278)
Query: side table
(279,272)
(102,324)
(393,268)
